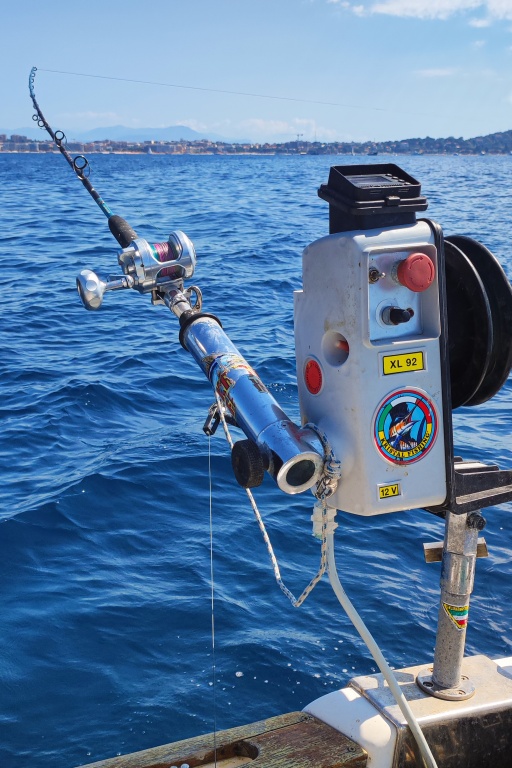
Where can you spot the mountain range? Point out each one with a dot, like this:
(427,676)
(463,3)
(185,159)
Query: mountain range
(122,133)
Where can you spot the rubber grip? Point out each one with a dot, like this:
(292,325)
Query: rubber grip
(121,230)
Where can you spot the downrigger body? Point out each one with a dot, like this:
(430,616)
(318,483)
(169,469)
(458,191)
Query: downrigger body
(395,326)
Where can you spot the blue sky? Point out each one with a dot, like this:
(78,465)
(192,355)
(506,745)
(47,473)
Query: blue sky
(392,68)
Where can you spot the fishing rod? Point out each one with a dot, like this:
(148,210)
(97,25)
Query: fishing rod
(293,456)
(119,227)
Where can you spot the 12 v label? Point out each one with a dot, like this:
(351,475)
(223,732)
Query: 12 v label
(407,361)
(387,491)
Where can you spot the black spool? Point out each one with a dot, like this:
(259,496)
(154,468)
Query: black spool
(479,299)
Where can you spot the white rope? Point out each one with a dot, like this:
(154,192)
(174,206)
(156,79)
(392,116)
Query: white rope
(296,602)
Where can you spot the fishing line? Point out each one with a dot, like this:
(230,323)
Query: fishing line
(234,93)
(214,667)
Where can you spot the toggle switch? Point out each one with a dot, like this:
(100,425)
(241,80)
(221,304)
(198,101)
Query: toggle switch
(396,315)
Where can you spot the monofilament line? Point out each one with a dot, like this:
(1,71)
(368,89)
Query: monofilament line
(366,107)
(214,667)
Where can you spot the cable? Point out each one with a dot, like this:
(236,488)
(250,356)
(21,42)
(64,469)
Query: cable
(214,665)
(376,653)
(232,93)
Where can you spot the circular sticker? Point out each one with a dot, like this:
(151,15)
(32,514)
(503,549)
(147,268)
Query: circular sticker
(405,426)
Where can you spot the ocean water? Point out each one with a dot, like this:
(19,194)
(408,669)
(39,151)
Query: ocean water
(105,628)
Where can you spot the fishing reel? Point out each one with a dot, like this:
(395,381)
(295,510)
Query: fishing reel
(152,268)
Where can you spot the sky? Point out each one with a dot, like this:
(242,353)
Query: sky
(329,70)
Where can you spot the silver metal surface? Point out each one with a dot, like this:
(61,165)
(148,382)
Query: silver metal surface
(294,456)
(140,261)
(474,733)
(457,579)
(464,690)
(91,287)
(177,301)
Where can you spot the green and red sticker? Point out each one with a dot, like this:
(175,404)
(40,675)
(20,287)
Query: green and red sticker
(405,426)
(457,614)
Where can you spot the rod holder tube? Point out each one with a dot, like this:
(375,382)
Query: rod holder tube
(457,578)
(293,456)
(446,680)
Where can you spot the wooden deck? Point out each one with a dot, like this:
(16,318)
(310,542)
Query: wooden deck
(295,740)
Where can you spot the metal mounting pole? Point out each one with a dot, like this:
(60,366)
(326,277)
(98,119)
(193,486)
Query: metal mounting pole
(444,680)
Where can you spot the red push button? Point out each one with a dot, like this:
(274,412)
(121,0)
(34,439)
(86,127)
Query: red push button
(313,376)
(416,272)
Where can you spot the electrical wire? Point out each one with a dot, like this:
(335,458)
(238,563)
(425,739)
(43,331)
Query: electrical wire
(212,582)
(377,656)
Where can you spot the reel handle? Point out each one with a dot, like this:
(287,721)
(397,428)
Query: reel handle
(91,287)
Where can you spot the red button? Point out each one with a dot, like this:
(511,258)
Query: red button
(416,272)
(313,376)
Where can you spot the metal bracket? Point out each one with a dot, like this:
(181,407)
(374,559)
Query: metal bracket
(212,420)
(433,550)
(464,689)
(476,486)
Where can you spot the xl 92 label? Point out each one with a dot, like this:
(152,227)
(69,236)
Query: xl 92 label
(406,361)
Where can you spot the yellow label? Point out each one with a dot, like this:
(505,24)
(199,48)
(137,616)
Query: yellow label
(387,491)
(407,361)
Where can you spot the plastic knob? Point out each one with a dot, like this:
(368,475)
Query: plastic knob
(476,521)
(397,315)
(247,464)
(416,272)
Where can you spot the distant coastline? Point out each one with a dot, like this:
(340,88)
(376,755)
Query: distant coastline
(493,144)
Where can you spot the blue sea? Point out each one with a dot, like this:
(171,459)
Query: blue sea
(105,593)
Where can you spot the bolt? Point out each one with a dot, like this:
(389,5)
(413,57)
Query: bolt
(475,520)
